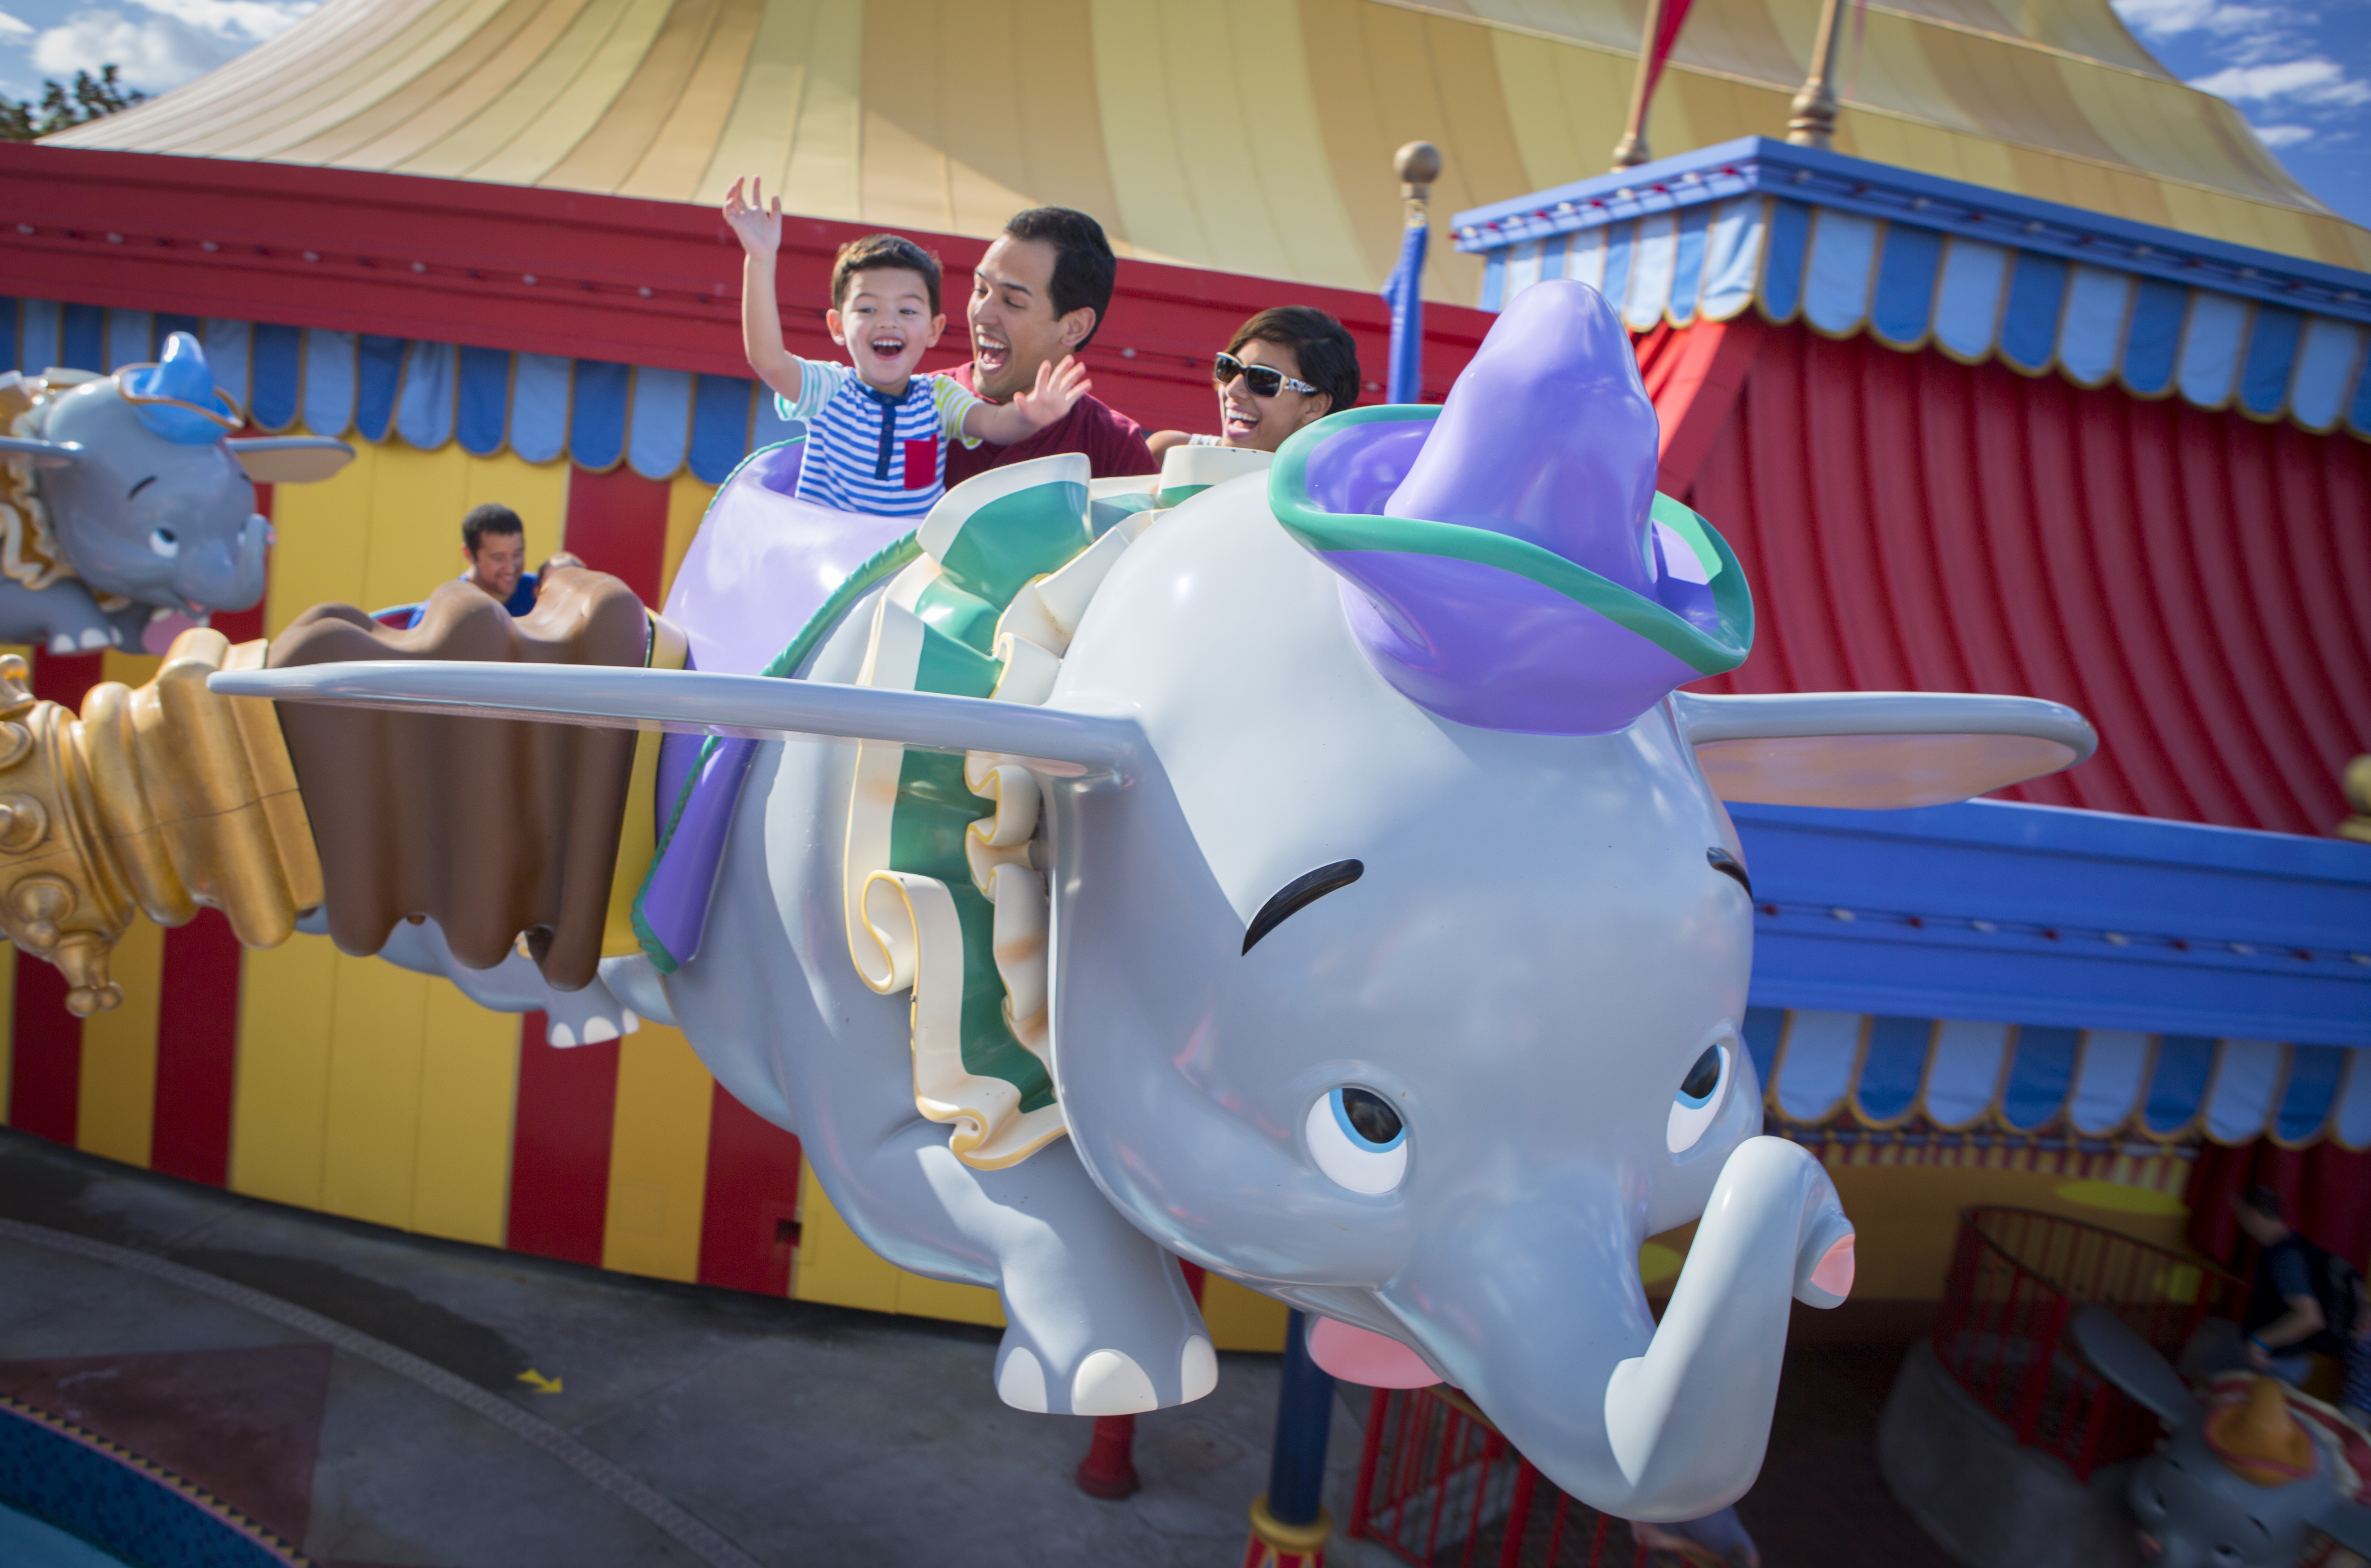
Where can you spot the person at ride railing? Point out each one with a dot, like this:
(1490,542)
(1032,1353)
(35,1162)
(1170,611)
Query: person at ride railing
(2306,1299)
(877,433)
(1286,367)
(1041,293)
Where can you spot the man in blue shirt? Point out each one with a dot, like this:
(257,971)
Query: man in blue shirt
(495,542)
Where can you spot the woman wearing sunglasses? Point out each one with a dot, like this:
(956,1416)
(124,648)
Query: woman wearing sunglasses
(1285,368)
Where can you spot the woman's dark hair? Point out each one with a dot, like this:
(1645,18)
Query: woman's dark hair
(881,252)
(1084,267)
(1329,360)
(493,518)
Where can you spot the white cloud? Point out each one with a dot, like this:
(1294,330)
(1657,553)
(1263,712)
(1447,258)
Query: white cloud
(2313,80)
(256,19)
(14,27)
(2171,18)
(2283,135)
(161,43)
(154,53)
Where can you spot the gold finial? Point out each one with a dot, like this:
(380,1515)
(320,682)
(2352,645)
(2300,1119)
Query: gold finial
(2355,782)
(159,800)
(1417,164)
(1632,150)
(1813,123)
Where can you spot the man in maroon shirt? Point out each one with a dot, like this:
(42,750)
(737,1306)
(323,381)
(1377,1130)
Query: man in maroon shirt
(1039,294)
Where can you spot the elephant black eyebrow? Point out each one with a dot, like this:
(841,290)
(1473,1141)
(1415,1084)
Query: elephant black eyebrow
(1720,860)
(140,486)
(1299,893)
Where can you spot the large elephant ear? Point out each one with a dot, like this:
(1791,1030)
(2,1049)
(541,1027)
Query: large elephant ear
(289,459)
(41,454)
(2131,1363)
(1878,750)
(697,702)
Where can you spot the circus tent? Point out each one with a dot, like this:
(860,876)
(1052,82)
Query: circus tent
(1237,137)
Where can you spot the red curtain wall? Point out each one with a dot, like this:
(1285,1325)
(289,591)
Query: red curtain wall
(2198,584)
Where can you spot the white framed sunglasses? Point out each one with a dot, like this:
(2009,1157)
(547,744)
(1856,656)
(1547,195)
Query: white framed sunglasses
(1264,380)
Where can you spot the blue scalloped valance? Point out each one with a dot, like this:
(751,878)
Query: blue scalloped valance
(1846,245)
(658,422)
(2042,1081)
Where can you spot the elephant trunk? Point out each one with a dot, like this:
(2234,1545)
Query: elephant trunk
(1646,1422)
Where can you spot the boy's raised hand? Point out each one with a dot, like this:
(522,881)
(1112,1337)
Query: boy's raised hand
(1059,388)
(757,224)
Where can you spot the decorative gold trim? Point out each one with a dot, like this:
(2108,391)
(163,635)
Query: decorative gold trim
(159,800)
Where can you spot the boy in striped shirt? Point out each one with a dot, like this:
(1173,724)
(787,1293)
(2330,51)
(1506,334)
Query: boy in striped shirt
(877,433)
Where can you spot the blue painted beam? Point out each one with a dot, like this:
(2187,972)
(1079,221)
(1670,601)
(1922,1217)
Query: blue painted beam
(2031,914)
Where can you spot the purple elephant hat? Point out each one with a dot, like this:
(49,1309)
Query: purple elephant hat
(1506,560)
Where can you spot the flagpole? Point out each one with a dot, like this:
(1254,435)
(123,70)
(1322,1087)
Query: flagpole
(1813,123)
(1417,164)
(1631,151)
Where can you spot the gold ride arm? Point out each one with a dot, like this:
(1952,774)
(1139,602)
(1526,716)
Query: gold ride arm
(159,800)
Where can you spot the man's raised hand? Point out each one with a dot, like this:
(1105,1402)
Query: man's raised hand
(1059,388)
(757,224)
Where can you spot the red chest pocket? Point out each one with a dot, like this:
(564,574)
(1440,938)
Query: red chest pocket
(922,463)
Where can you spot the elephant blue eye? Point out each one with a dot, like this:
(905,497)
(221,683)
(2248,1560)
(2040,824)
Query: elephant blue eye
(165,542)
(1698,1101)
(1358,1140)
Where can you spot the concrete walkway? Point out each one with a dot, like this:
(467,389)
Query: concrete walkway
(321,1375)
(358,1391)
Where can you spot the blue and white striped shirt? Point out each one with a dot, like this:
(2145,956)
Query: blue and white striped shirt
(872,453)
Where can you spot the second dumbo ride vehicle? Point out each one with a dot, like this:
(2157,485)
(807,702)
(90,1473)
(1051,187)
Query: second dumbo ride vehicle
(1320,880)
(128,499)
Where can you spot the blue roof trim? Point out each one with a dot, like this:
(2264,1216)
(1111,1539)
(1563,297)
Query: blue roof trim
(1754,164)
(1906,275)
(544,408)
(2029,333)
(378,373)
(596,417)
(84,339)
(2271,354)
(2153,341)
(2040,916)
(481,417)
(278,358)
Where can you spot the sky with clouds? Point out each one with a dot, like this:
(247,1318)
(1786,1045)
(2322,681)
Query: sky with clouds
(2301,71)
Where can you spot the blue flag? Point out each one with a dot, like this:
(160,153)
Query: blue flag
(1405,295)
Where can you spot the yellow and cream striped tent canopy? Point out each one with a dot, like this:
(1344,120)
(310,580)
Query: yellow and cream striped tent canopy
(1249,137)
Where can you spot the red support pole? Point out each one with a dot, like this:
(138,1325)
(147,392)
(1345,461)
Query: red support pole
(1109,1469)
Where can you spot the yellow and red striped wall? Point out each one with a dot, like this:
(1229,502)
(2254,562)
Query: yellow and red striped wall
(347,1086)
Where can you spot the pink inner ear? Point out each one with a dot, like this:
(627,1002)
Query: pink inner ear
(1834,1274)
(1361,1355)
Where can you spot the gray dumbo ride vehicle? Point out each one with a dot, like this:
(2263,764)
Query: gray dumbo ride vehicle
(1319,877)
(127,499)
(2244,1479)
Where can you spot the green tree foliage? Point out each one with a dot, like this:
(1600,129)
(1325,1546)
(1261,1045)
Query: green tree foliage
(62,106)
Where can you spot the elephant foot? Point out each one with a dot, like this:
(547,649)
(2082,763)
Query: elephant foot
(1104,1381)
(90,640)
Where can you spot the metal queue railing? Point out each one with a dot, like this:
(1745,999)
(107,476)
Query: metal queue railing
(2016,1277)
